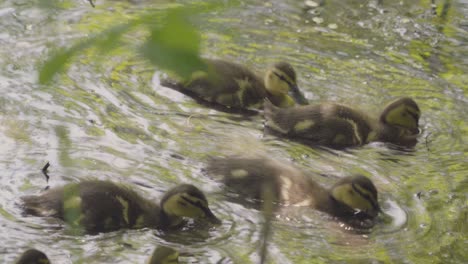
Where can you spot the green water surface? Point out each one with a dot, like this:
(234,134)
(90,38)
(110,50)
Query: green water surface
(107,117)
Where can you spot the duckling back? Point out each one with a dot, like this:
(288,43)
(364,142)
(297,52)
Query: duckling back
(249,178)
(340,126)
(225,83)
(352,199)
(327,124)
(96,206)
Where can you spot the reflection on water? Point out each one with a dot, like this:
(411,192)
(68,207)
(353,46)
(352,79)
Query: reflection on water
(107,119)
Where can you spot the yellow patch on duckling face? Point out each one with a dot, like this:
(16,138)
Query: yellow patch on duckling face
(404,116)
(276,82)
(287,102)
(354,196)
(303,125)
(239,173)
(184,205)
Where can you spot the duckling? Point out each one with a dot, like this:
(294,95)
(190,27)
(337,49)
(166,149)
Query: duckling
(228,86)
(103,206)
(351,198)
(339,126)
(164,255)
(33,256)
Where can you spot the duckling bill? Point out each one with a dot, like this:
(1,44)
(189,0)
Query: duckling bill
(339,126)
(351,198)
(229,86)
(103,206)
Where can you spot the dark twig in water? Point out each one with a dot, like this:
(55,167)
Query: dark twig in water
(44,171)
(91,3)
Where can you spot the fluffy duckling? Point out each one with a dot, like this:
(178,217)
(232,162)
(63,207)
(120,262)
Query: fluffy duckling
(340,126)
(103,206)
(164,255)
(351,198)
(33,256)
(228,86)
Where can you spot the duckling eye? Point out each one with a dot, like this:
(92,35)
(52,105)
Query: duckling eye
(413,115)
(197,204)
(282,78)
(184,204)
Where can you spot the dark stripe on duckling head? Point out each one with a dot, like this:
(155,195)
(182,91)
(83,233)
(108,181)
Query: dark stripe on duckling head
(183,188)
(398,111)
(359,194)
(369,198)
(187,200)
(203,205)
(283,78)
(415,116)
(406,101)
(290,79)
(287,69)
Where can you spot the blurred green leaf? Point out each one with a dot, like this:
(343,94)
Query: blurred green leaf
(105,42)
(55,64)
(111,38)
(72,210)
(175,46)
(172,46)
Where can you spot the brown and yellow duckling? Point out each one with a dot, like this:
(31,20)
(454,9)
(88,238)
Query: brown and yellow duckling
(33,256)
(229,86)
(351,198)
(340,126)
(103,206)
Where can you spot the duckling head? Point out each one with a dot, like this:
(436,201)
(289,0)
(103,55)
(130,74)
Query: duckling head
(33,256)
(280,79)
(403,113)
(186,200)
(358,193)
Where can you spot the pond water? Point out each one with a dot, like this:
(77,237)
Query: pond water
(108,118)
